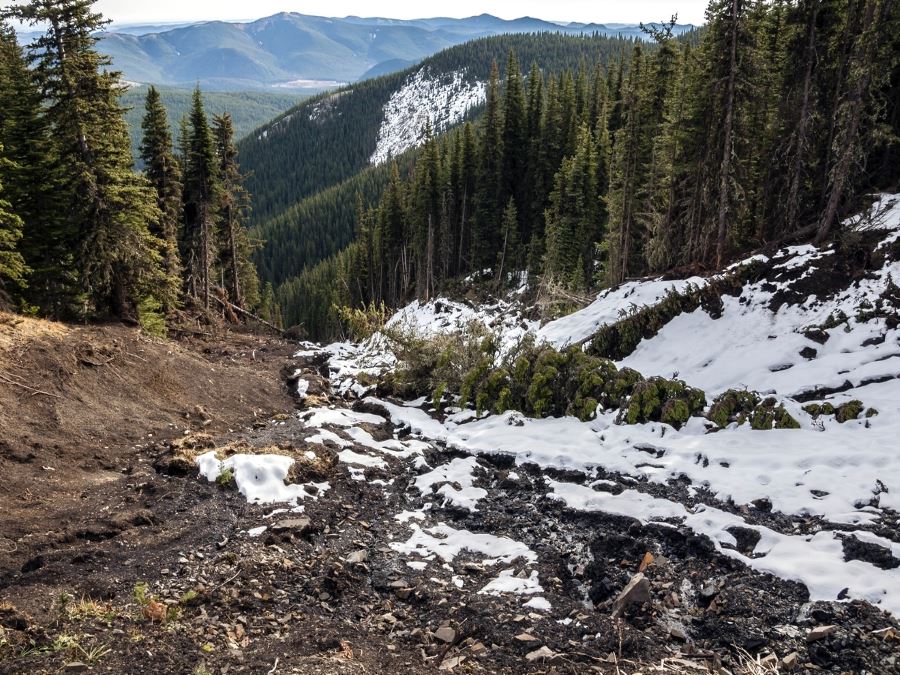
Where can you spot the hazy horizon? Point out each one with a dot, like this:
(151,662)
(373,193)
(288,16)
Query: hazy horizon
(177,11)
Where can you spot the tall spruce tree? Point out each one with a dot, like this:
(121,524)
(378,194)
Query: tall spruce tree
(627,175)
(117,258)
(238,270)
(854,116)
(32,180)
(201,202)
(12,264)
(163,171)
(490,167)
(515,136)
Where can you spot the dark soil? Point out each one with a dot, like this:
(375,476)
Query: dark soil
(331,595)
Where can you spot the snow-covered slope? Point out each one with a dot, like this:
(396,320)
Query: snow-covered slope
(442,101)
(808,325)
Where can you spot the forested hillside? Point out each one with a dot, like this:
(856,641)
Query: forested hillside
(248,109)
(764,132)
(329,139)
(82,235)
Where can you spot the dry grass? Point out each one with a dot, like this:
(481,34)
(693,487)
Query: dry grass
(16,330)
(747,665)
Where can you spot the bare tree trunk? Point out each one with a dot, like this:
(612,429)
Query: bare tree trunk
(232,245)
(204,256)
(725,166)
(462,231)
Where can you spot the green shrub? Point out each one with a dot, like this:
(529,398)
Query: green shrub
(734,405)
(848,411)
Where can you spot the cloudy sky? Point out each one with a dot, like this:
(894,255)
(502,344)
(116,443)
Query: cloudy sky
(140,11)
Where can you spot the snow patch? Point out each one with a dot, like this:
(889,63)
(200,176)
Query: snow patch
(507,582)
(445,542)
(260,478)
(442,101)
(459,473)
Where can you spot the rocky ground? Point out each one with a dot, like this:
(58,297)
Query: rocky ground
(154,569)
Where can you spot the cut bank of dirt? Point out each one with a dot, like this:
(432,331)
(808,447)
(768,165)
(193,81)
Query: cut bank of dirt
(80,405)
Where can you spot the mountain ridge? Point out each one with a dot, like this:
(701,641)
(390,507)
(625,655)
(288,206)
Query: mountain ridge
(278,50)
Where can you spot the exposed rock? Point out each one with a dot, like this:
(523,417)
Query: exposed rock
(357,557)
(542,654)
(636,592)
(526,637)
(445,634)
(791,661)
(301,525)
(820,633)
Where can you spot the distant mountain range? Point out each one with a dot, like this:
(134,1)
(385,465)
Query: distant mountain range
(303,53)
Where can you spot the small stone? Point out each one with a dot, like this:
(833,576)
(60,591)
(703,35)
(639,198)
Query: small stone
(445,634)
(451,663)
(636,592)
(678,634)
(790,661)
(542,654)
(820,633)
(302,524)
(769,660)
(709,591)
(526,637)
(646,562)
(357,557)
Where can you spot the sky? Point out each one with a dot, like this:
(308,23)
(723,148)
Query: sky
(599,11)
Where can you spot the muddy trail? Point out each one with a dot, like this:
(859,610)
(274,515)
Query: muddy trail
(393,554)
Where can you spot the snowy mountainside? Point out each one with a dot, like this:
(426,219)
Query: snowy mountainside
(425,98)
(809,326)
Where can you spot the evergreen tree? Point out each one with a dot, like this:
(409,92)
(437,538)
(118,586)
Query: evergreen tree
(515,136)
(627,175)
(201,202)
(532,203)
(12,264)
(238,271)
(572,225)
(853,116)
(490,167)
(161,168)
(32,181)
(466,190)
(117,258)
(392,239)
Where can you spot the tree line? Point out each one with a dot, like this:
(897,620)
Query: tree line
(682,155)
(82,235)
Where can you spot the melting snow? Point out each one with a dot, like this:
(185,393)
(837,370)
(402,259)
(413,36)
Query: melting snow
(260,478)
(815,560)
(456,473)
(446,543)
(507,582)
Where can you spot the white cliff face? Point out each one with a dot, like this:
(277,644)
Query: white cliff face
(441,100)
